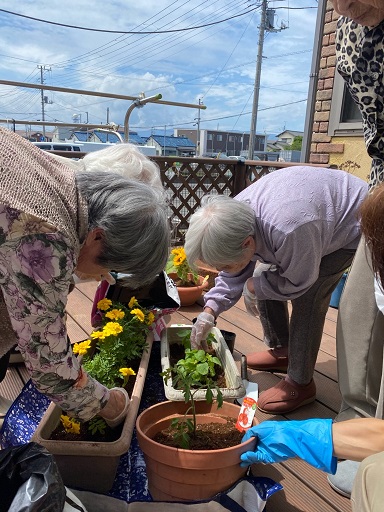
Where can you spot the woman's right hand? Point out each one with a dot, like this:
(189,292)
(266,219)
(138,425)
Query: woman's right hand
(117,407)
(200,329)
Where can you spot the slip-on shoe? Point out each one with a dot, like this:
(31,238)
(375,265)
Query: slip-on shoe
(267,361)
(120,418)
(286,397)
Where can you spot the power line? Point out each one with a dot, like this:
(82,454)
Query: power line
(129,31)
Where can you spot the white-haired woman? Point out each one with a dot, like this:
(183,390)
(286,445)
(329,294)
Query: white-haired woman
(55,222)
(125,159)
(301,223)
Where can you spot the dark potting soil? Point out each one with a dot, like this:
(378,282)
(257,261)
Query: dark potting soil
(209,436)
(110,435)
(177,352)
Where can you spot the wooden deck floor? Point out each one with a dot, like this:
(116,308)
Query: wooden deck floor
(305,488)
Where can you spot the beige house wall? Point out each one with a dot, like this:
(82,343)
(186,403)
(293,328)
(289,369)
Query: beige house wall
(354,158)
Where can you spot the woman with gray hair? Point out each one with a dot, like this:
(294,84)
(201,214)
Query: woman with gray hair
(301,224)
(55,222)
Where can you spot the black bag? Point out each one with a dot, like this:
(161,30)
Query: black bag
(30,480)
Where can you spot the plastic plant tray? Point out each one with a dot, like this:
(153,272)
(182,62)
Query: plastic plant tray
(234,382)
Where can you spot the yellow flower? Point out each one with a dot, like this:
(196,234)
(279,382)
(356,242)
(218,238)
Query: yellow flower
(97,335)
(70,425)
(138,314)
(104,304)
(115,314)
(132,303)
(179,256)
(150,318)
(81,348)
(126,372)
(112,329)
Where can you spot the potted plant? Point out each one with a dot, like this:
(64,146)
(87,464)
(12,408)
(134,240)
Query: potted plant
(123,337)
(190,284)
(179,336)
(181,465)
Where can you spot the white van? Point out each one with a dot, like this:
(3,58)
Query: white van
(59,146)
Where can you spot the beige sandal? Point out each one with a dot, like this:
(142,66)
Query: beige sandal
(119,419)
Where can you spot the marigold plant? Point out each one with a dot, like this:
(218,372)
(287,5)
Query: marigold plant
(178,264)
(120,339)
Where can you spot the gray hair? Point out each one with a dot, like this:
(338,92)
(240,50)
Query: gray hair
(124,159)
(217,230)
(134,219)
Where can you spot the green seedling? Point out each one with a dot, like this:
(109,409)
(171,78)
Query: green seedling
(191,374)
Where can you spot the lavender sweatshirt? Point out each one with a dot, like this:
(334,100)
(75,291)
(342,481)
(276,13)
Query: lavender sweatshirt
(301,214)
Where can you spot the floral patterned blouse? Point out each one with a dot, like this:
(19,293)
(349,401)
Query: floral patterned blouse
(36,267)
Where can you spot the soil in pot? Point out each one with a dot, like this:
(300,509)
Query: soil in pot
(177,352)
(209,436)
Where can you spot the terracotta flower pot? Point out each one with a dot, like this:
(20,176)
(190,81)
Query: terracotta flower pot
(90,465)
(190,294)
(175,474)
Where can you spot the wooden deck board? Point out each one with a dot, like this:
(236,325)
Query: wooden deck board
(305,488)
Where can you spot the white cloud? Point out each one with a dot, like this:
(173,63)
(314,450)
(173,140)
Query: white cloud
(215,63)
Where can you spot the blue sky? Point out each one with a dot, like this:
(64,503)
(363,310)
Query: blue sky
(214,63)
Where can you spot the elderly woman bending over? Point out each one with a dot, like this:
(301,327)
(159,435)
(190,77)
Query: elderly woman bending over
(55,222)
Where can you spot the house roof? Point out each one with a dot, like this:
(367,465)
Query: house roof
(292,132)
(81,136)
(174,142)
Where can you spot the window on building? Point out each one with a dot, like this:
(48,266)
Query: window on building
(210,136)
(231,138)
(219,137)
(345,117)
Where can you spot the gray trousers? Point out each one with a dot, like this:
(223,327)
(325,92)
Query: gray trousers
(368,489)
(360,341)
(302,333)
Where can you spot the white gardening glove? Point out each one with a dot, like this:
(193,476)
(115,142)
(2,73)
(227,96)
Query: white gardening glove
(250,300)
(200,329)
(117,407)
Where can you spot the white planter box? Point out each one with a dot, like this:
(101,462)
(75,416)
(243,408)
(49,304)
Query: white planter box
(235,384)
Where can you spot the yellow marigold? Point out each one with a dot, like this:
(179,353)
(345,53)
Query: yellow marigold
(97,335)
(71,426)
(126,372)
(132,303)
(115,314)
(81,348)
(112,329)
(104,304)
(150,318)
(179,256)
(138,314)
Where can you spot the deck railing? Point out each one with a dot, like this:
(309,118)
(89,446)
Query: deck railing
(188,179)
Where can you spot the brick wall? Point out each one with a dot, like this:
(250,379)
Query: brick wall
(321,144)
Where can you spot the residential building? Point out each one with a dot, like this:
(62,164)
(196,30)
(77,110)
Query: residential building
(172,146)
(215,143)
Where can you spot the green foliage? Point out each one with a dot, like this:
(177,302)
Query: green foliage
(296,144)
(97,425)
(185,338)
(191,374)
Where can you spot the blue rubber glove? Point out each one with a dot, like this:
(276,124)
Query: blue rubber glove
(276,441)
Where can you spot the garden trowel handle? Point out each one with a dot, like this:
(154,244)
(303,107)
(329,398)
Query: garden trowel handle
(243,369)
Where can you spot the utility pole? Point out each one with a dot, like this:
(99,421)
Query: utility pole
(252,132)
(43,99)
(198,130)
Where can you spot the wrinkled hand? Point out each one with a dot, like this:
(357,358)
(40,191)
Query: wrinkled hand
(250,300)
(277,441)
(200,329)
(117,407)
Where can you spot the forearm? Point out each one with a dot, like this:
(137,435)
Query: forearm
(357,439)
